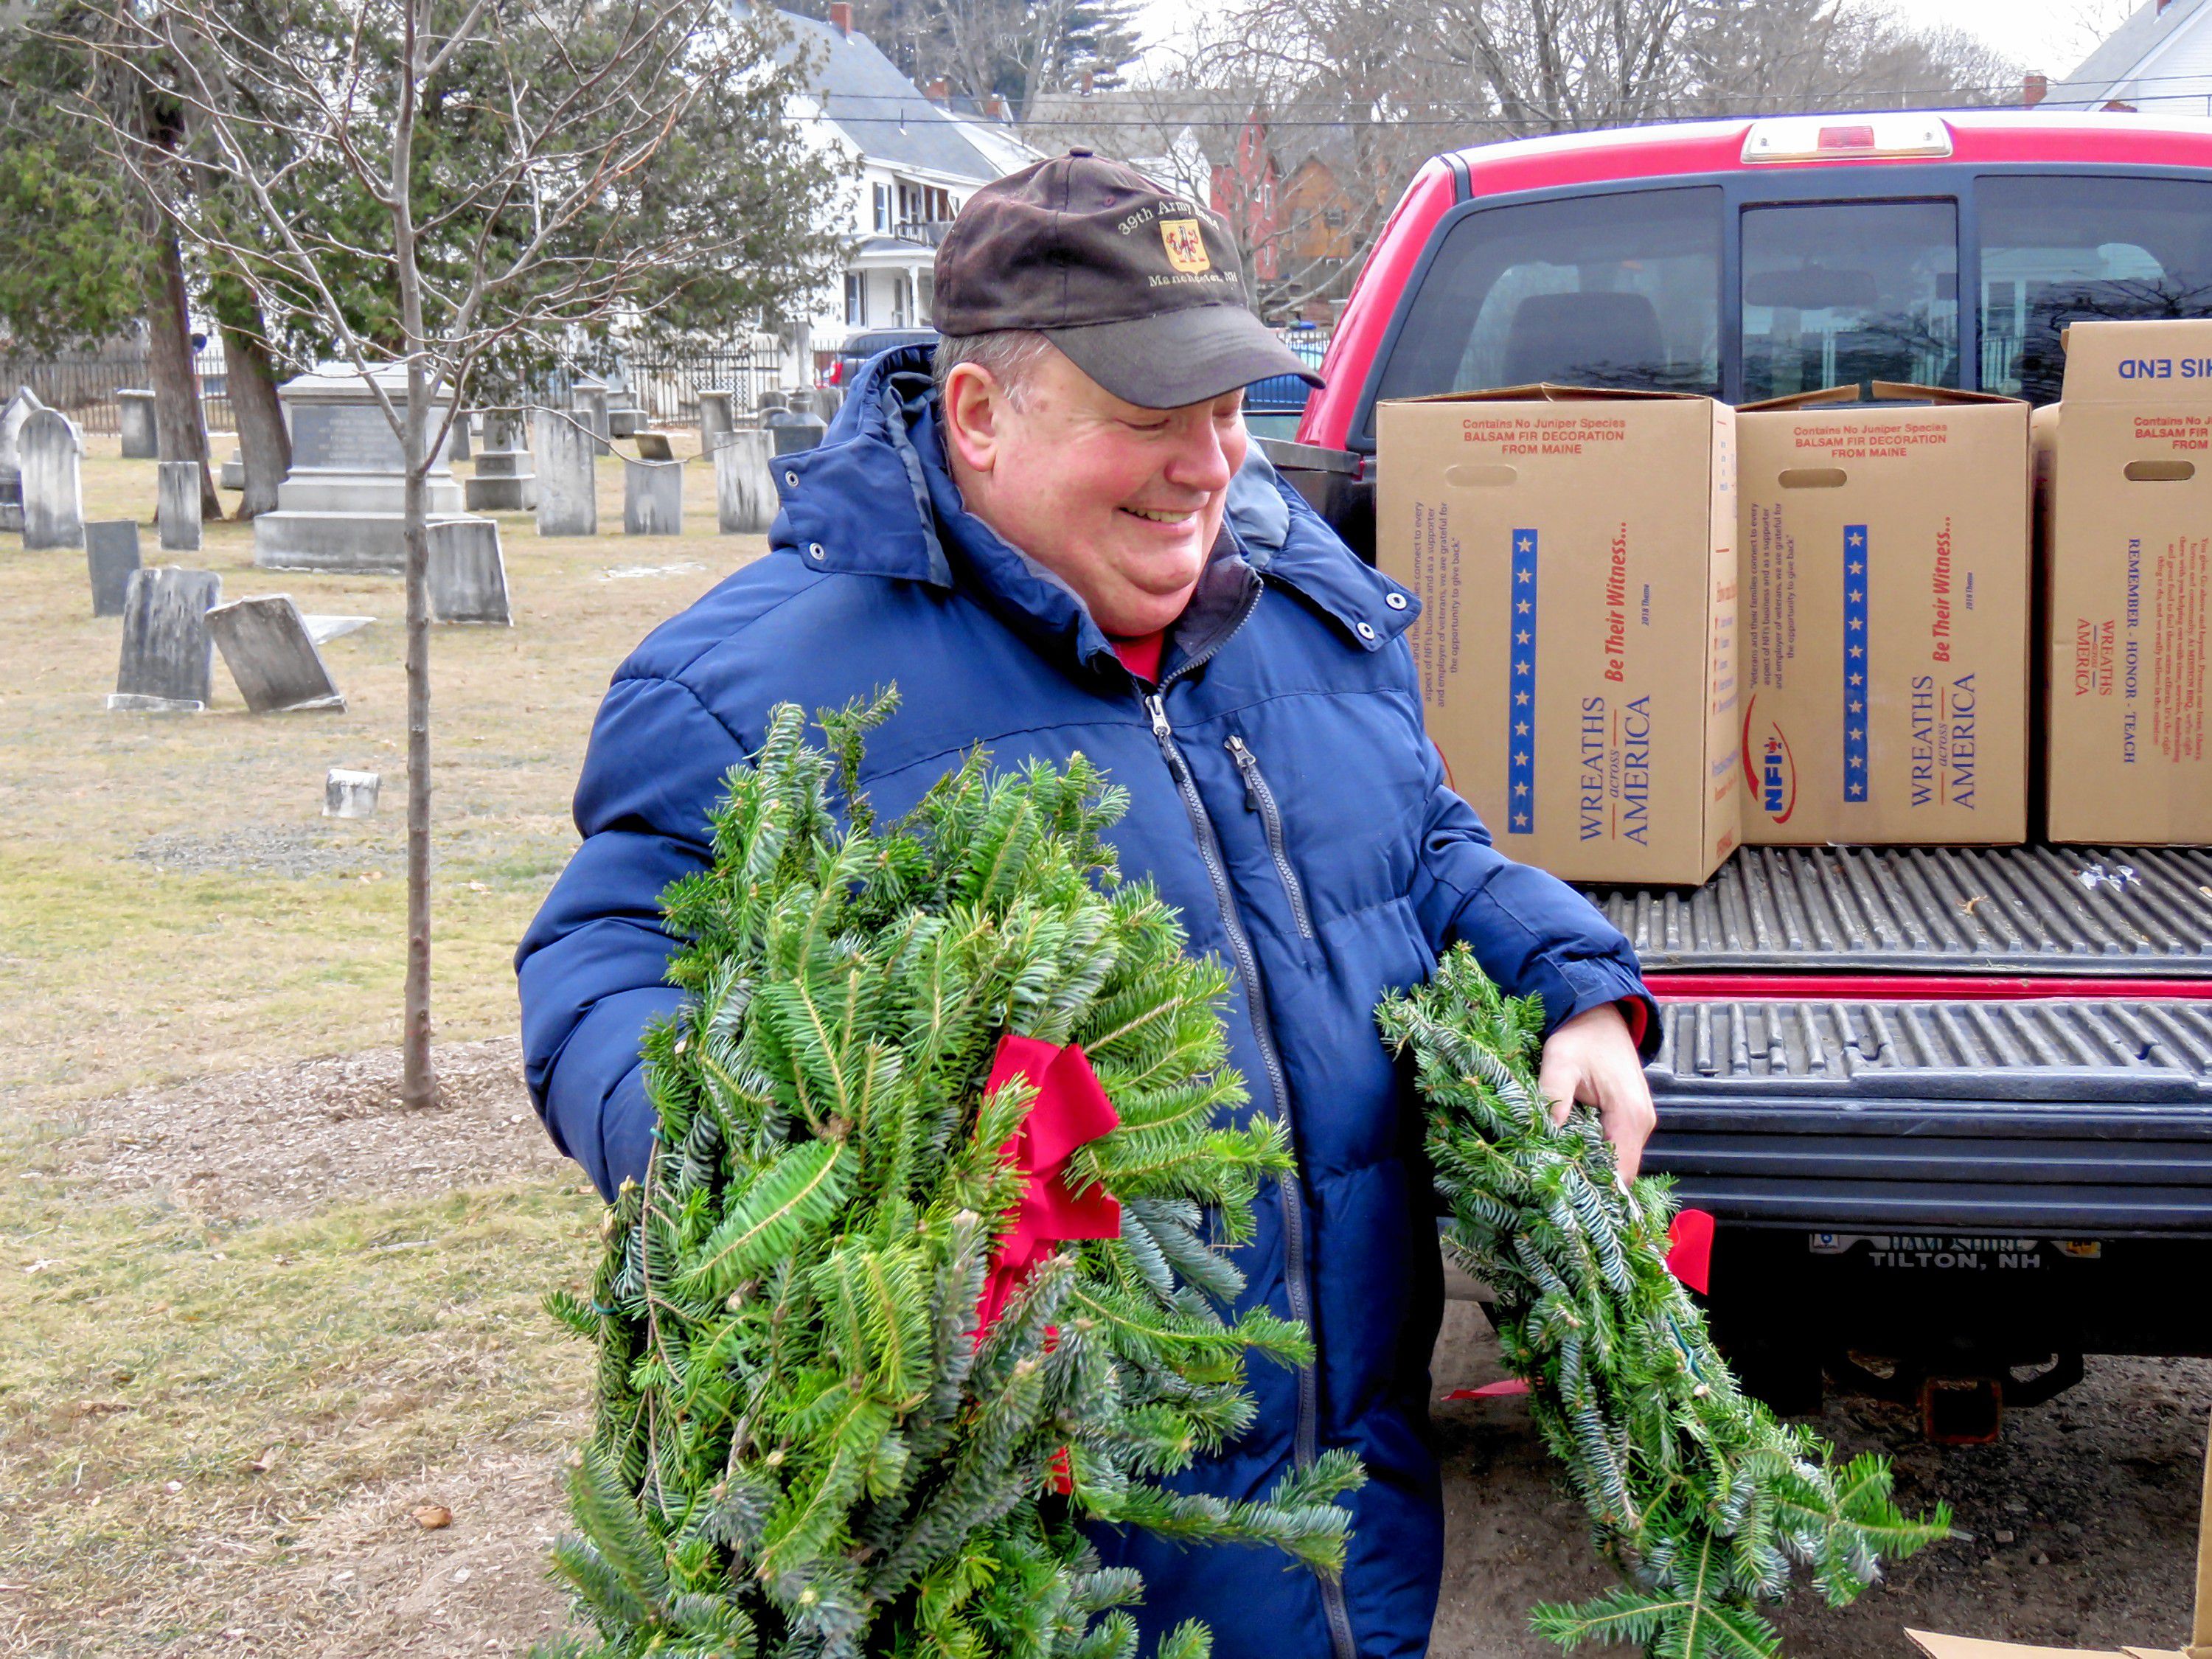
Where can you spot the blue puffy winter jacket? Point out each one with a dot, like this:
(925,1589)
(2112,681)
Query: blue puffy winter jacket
(1282,795)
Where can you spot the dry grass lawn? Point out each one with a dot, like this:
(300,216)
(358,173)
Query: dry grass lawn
(255,1319)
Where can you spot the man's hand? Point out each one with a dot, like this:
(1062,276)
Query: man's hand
(1592,1058)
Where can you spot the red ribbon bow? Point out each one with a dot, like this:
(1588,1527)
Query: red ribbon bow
(1071,1110)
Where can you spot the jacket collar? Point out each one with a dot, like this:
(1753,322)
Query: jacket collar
(876,498)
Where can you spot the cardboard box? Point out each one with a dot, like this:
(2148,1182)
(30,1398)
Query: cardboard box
(1884,616)
(1575,555)
(2128,533)
(2200,1643)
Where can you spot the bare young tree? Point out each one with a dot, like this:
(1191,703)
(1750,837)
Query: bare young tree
(460,186)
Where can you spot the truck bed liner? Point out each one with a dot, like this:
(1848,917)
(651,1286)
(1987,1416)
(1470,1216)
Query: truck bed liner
(2038,909)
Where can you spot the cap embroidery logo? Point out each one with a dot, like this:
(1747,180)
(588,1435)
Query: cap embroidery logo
(1186,245)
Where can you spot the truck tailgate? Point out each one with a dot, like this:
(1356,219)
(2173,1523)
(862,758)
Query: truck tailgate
(1936,1040)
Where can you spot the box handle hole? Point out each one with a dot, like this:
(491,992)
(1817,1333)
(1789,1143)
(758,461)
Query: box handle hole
(1466,475)
(2160,471)
(1814,477)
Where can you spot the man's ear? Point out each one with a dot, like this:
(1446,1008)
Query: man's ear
(974,410)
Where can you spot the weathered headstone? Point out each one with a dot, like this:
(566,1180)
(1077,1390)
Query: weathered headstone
(567,483)
(348,794)
(111,554)
(624,418)
(232,476)
(504,482)
(587,401)
(652,447)
(135,409)
(167,664)
(468,575)
(457,448)
(266,645)
(827,400)
(652,498)
(341,506)
(745,501)
(177,506)
(51,452)
(19,409)
(718,414)
(793,430)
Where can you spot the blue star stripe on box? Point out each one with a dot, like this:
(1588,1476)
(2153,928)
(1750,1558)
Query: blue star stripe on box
(1521,717)
(1856,581)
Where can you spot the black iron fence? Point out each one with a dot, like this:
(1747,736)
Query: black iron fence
(82,385)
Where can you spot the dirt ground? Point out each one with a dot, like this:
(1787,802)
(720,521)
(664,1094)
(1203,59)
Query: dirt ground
(258,1317)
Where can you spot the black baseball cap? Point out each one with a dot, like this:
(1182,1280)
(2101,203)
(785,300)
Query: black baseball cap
(1141,287)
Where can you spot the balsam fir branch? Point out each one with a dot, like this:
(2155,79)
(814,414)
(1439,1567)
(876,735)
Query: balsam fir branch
(810,1440)
(1701,1498)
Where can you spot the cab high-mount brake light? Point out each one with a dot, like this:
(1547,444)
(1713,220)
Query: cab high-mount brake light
(1845,138)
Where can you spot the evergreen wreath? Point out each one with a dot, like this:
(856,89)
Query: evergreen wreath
(1698,1495)
(834,1417)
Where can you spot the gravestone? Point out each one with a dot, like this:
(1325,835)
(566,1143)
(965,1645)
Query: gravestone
(794,430)
(827,400)
(652,447)
(468,575)
(652,498)
(718,414)
(587,401)
(111,554)
(745,501)
(340,505)
(177,506)
(624,418)
(19,409)
(567,483)
(167,664)
(266,645)
(457,448)
(232,476)
(134,408)
(348,794)
(51,452)
(504,482)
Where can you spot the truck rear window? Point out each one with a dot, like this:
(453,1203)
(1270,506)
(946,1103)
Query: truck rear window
(1836,292)
(1617,290)
(2059,249)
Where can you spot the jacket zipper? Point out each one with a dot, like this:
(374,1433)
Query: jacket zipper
(1296,1284)
(1262,800)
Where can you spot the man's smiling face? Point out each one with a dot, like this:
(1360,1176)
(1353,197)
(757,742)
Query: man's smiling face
(1122,502)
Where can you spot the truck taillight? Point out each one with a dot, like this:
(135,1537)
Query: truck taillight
(1819,138)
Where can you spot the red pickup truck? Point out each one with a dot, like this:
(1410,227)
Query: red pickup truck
(1952,1106)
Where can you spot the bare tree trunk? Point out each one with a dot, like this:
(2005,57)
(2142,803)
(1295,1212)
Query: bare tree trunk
(419,1088)
(180,431)
(262,441)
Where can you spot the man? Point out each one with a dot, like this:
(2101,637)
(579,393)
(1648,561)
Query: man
(1058,543)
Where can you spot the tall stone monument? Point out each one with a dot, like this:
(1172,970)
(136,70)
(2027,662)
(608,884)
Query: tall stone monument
(567,478)
(177,506)
(504,482)
(134,406)
(341,506)
(51,451)
(19,409)
(587,398)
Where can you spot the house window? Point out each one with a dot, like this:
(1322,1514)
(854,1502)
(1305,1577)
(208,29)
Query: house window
(883,209)
(901,297)
(924,299)
(856,297)
(1333,217)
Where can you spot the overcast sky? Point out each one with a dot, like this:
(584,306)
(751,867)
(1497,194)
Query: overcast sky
(2050,35)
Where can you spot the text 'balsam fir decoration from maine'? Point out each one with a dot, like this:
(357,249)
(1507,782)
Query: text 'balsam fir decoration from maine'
(927,1267)
(1702,1498)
